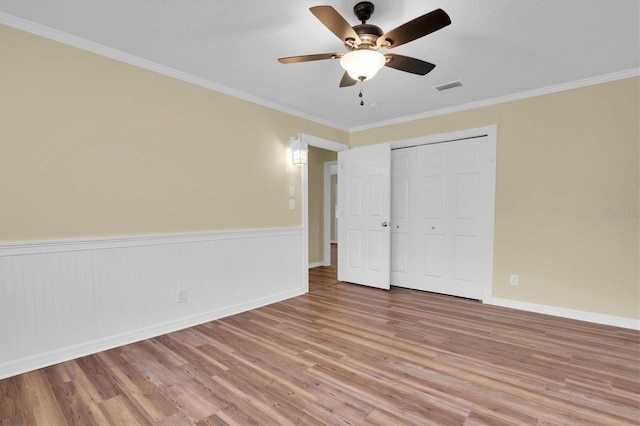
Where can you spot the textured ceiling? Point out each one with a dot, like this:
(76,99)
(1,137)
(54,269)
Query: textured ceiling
(495,47)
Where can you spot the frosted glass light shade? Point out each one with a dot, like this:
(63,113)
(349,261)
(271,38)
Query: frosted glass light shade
(299,151)
(299,157)
(362,64)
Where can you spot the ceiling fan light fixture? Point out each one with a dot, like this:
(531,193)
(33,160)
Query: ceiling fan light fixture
(362,64)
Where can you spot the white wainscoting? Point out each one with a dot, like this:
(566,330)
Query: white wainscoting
(65,299)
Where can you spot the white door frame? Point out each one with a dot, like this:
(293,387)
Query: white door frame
(330,169)
(329,146)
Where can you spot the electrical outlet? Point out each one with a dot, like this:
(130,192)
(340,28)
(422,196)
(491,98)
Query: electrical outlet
(514,279)
(182,296)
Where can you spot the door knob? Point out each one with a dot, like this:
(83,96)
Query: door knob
(385,224)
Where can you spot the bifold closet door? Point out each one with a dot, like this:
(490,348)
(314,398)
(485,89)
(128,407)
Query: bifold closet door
(440,207)
(447,225)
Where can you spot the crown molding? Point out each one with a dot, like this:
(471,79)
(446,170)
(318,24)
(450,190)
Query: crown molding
(620,75)
(118,55)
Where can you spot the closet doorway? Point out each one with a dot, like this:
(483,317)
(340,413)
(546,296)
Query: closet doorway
(440,224)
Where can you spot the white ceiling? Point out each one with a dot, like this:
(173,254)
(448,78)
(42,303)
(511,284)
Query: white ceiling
(495,47)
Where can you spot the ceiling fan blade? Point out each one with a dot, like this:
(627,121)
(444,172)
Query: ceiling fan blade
(419,27)
(407,64)
(347,80)
(335,23)
(307,58)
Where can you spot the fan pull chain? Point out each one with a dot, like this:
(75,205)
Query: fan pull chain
(360,95)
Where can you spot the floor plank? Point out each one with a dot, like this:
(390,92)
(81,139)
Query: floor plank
(37,400)
(348,354)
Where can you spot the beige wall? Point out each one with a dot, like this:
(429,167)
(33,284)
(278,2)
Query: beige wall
(317,158)
(567,162)
(94,147)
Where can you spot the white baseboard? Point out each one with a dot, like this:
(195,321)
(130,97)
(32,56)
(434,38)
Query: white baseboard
(615,321)
(315,264)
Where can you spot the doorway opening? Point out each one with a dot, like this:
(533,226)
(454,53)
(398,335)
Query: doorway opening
(313,141)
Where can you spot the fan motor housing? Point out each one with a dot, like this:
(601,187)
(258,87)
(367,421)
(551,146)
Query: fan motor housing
(368,35)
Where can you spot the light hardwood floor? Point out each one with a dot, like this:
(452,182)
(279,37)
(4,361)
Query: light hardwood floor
(347,354)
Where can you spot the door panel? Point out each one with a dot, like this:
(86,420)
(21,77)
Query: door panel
(364,241)
(465,200)
(402,166)
(427,264)
(446,211)
(376,250)
(434,256)
(464,258)
(434,197)
(399,254)
(375,197)
(354,248)
(355,197)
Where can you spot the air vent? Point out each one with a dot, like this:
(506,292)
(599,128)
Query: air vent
(447,86)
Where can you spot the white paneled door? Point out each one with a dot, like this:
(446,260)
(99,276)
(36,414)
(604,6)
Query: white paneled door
(448,194)
(364,203)
(442,212)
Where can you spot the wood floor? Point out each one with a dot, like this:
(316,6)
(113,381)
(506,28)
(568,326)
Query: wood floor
(347,354)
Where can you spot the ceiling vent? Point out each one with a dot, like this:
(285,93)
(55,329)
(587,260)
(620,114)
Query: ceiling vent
(447,86)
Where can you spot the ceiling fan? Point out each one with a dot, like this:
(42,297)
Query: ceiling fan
(363,41)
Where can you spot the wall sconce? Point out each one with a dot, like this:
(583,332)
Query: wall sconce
(299,151)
